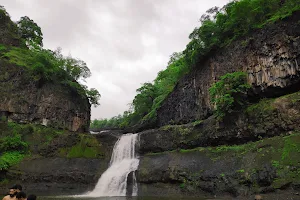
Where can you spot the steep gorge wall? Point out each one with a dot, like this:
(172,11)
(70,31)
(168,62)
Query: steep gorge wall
(252,151)
(270,56)
(25,100)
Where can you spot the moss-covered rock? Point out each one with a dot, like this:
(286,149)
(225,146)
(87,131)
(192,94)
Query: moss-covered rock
(87,147)
(267,118)
(56,160)
(262,166)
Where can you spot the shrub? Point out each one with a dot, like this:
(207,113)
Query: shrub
(10,158)
(229,93)
(14,143)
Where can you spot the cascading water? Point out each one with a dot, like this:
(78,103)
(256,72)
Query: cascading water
(113,181)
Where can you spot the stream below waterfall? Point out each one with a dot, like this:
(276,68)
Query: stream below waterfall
(124,198)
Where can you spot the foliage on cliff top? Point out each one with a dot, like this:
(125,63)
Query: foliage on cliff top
(46,65)
(219,27)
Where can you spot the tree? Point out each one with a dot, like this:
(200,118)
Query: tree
(143,100)
(76,68)
(94,96)
(30,31)
(229,93)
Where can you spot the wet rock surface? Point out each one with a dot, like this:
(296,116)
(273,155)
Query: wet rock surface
(238,171)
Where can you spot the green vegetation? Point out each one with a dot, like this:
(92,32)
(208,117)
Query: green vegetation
(8,159)
(149,97)
(46,65)
(13,143)
(87,147)
(30,31)
(17,141)
(229,93)
(12,146)
(182,185)
(219,27)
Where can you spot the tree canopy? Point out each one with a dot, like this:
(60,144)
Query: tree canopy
(30,31)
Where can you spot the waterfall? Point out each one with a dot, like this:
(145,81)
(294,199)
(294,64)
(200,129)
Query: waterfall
(113,181)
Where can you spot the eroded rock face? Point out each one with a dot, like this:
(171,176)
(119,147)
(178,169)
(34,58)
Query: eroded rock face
(53,170)
(270,56)
(25,100)
(268,118)
(235,170)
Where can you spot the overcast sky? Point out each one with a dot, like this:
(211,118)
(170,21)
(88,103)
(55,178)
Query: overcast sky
(124,42)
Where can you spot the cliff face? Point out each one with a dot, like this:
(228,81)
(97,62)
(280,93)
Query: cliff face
(254,150)
(196,159)
(24,100)
(262,167)
(270,56)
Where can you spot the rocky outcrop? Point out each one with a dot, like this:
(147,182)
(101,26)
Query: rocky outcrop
(267,118)
(8,30)
(68,164)
(25,100)
(253,151)
(269,165)
(270,56)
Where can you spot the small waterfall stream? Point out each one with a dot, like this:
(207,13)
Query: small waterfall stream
(113,181)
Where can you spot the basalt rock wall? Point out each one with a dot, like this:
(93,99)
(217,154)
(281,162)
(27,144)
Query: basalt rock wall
(270,56)
(25,100)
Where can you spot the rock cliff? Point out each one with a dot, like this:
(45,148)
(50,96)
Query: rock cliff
(270,56)
(25,100)
(266,166)
(253,151)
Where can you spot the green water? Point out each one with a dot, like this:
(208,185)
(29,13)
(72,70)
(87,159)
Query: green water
(120,198)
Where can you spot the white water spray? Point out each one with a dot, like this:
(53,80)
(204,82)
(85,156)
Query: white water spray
(113,181)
